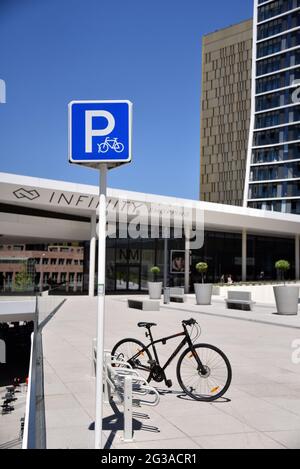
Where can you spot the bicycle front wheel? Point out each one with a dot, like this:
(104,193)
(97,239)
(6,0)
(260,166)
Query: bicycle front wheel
(216,380)
(136,354)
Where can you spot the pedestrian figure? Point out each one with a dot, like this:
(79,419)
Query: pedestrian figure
(261,276)
(229,280)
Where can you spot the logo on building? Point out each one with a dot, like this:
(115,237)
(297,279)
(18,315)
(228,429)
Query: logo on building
(25,194)
(2,92)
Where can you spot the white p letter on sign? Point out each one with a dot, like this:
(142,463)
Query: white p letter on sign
(90,132)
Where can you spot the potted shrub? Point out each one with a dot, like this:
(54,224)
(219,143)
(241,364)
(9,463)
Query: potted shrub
(286,297)
(203,290)
(155,287)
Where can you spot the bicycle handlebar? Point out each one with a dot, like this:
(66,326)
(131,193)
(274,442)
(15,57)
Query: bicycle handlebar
(189,322)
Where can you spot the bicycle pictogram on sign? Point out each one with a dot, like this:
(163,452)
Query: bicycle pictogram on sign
(110,143)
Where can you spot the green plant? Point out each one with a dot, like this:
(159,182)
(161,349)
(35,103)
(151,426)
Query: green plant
(155,271)
(282,266)
(23,280)
(202,268)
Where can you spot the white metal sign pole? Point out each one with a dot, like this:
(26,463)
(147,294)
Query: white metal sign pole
(101,306)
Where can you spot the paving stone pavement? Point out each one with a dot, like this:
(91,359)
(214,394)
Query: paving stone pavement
(260,410)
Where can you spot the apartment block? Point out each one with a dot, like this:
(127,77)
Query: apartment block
(273,167)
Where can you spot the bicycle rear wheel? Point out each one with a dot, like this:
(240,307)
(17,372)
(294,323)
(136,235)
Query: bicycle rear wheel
(204,387)
(136,354)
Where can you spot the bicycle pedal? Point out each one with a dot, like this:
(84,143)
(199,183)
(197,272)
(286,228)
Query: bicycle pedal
(168,383)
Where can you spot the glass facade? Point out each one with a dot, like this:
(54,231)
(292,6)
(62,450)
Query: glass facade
(277,62)
(292,206)
(275,8)
(271,172)
(222,251)
(275,132)
(276,190)
(128,261)
(263,252)
(278,117)
(276,153)
(278,44)
(276,100)
(277,81)
(272,27)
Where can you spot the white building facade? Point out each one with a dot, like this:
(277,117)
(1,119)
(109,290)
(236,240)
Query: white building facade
(273,162)
(237,241)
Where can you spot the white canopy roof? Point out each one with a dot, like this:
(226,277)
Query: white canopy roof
(22,196)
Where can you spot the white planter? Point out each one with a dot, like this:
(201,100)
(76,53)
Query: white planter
(286,298)
(155,289)
(203,293)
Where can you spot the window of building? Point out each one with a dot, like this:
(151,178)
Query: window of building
(276,8)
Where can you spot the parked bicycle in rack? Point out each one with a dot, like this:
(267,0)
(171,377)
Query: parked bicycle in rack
(203,371)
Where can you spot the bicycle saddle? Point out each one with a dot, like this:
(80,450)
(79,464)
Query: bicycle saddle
(146,324)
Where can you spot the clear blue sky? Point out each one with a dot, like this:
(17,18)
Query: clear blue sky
(147,51)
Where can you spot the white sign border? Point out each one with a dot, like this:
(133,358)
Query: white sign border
(93,161)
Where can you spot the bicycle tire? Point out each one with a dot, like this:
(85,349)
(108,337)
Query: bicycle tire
(103,147)
(135,365)
(119,147)
(211,382)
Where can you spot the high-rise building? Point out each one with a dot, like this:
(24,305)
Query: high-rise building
(225,113)
(273,162)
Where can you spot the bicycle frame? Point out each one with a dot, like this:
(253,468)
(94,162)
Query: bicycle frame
(164,340)
(111,142)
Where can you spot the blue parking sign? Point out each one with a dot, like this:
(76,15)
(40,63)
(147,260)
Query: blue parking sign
(100,132)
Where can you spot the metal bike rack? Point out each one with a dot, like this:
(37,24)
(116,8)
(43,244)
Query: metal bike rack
(126,387)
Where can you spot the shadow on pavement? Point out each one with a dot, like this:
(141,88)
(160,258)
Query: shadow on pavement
(115,423)
(221,400)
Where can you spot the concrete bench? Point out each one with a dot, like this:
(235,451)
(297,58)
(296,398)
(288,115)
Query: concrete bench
(239,300)
(144,305)
(177,294)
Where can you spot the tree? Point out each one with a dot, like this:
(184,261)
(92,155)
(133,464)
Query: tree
(202,268)
(282,266)
(155,271)
(23,280)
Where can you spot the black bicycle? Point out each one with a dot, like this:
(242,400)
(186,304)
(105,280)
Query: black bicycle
(203,371)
